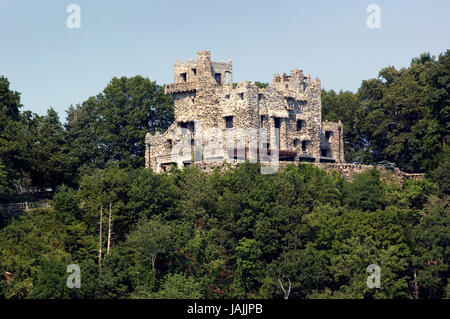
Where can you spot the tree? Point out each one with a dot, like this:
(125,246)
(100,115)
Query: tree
(3,176)
(365,191)
(346,107)
(10,152)
(247,253)
(99,189)
(150,238)
(52,163)
(112,125)
(179,286)
(430,241)
(304,270)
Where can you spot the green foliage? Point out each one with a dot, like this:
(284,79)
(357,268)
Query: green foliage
(441,174)
(179,286)
(402,116)
(261,85)
(430,242)
(11,152)
(365,192)
(112,125)
(237,234)
(40,152)
(3,176)
(150,238)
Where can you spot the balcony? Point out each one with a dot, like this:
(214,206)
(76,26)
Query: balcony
(180,87)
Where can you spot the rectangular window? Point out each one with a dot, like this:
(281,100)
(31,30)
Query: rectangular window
(277,122)
(303,146)
(241,95)
(188,125)
(218,77)
(299,125)
(194,71)
(228,121)
(183,77)
(227,77)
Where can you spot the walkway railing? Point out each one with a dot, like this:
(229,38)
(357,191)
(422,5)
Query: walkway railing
(13,208)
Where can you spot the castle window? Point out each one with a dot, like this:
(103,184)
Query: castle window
(228,121)
(194,71)
(327,135)
(169,143)
(189,126)
(263,118)
(277,121)
(291,116)
(218,77)
(227,77)
(303,146)
(286,86)
(241,95)
(260,96)
(324,153)
(227,96)
(296,141)
(183,77)
(299,125)
(290,103)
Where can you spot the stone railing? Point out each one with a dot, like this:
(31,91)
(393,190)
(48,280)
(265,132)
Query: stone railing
(180,87)
(414,176)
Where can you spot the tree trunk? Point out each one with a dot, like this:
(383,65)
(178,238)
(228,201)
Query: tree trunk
(153,258)
(100,239)
(109,229)
(416,286)
(20,183)
(286,291)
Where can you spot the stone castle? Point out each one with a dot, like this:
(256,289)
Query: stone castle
(205,97)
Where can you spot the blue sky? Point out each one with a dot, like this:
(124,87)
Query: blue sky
(54,66)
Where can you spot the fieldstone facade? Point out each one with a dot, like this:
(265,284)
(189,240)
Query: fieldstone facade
(208,106)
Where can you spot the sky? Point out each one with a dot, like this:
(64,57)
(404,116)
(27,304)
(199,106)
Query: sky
(52,65)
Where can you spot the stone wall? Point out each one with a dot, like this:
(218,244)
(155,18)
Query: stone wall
(348,171)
